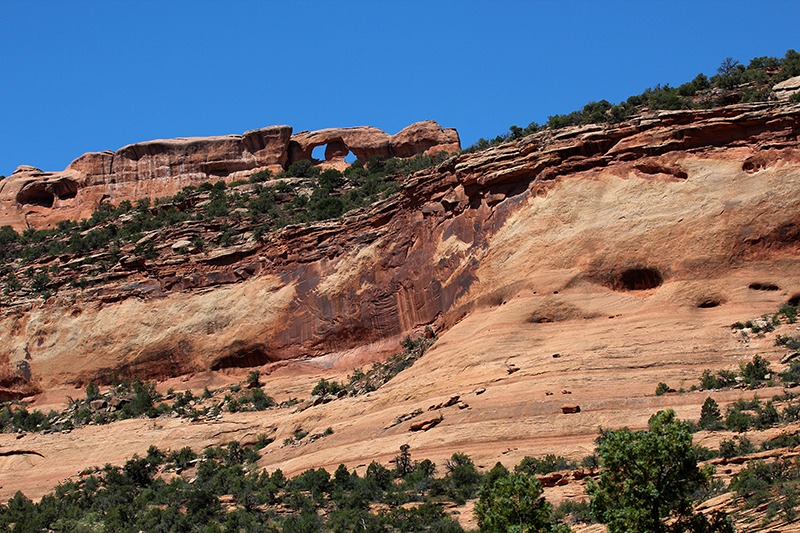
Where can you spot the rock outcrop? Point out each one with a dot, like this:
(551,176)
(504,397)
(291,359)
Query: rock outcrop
(785,89)
(672,198)
(364,142)
(37,199)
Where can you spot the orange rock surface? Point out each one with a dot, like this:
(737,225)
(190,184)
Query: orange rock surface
(153,169)
(628,250)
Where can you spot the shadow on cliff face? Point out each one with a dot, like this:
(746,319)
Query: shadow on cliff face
(640,278)
(554,310)
(44,194)
(783,238)
(637,279)
(243,355)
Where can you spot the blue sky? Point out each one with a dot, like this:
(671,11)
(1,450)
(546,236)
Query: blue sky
(83,76)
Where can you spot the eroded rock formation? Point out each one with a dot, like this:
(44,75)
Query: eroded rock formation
(364,142)
(37,199)
(672,197)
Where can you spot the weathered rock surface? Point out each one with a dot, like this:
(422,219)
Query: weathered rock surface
(425,137)
(677,197)
(626,250)
(785,89)
(32,198)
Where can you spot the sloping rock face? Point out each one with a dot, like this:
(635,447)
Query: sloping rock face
(679,198)
(32,198)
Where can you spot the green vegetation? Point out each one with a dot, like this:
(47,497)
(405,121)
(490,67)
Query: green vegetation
(710,416)
(733,83)
(649,476)
(360,382)
(136,498)
(777,482)
(545,465)
(129,399)
(81,254)
(324,387)
(662,388)
(753,374)
(513,503)
(649,481)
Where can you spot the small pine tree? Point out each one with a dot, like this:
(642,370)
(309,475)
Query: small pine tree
(710,415)
(92,391)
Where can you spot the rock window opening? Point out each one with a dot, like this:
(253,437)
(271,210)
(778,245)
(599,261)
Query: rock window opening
(318,153)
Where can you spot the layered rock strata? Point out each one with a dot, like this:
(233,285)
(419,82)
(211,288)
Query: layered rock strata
(679,197)
(37,199)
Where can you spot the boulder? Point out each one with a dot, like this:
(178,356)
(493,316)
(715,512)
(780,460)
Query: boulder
(181,244)
(96,405)
(116,402)
(424,425)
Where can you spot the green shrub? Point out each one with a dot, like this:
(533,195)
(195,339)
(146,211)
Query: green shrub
(791,374)
(325,387)
(253,377)
(40,282)
(753,482)
(648,477)
(791,343)
(92,391)
(710,416)
(738,421)
(545,465)
(755,371)
(513,503)
(261,176)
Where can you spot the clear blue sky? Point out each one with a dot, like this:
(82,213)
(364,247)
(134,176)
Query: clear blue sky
(80,76)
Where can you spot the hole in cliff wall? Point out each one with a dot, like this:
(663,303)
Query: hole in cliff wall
(763,287)
(758,162)
(241,355)
(65,189)
(638,279)
(794,300)
(318,153)
(709,302)
(36,195)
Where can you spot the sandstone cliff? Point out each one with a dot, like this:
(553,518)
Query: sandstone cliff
(37,199)
(695,201)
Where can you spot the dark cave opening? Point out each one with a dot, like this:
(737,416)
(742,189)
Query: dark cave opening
(638,279)
(36,196)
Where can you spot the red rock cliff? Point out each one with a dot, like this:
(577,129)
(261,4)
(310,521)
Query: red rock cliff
(37,199)
(677,197)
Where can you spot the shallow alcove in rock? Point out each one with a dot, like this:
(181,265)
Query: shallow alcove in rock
(638,279)
(36,195)
(709,302)
(763,287)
